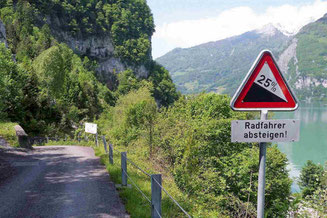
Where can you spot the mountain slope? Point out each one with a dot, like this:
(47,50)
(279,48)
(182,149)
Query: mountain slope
(54,53)
(305,60)
(117,35)
(220,66)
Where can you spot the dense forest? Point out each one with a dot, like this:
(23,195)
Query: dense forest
(49,88)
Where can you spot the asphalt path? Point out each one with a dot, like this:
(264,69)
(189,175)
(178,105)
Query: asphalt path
(59,181)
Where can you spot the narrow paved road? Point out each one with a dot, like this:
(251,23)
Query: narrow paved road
(60,181)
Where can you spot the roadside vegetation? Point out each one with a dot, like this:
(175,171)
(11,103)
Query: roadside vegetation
(312,201)
(189,143)
(7,131)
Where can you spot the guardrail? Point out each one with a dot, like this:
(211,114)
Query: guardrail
(156,182)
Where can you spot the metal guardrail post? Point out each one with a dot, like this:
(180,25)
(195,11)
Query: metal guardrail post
(79,137)
(104,143)
(123,168)
(156,195)
(111,154)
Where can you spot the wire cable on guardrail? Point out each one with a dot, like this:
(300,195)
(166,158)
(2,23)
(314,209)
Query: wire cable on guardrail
(157,212)
(131,162)
(137,187)
(180,207)
(116,151)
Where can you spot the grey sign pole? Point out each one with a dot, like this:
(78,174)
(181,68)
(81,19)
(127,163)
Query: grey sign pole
(262,173)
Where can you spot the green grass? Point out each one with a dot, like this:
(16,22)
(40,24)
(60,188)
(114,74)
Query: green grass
(8,132)
(71,142)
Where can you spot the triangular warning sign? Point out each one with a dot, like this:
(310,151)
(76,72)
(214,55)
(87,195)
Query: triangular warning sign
(264,87)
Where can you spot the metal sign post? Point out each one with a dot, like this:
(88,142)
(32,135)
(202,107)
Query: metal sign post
(264,88)
(262,173)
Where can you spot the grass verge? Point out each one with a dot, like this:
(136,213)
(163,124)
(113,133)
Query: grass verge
(8,132)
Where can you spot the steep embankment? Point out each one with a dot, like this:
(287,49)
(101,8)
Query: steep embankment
(220,66)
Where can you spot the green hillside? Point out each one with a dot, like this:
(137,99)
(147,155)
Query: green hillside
(64,62)
(220,66)
(307,67)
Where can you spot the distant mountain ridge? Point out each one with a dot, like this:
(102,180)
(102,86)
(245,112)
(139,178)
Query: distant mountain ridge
(220,66)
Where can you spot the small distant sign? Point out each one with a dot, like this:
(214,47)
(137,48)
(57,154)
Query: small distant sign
(264,87)
(265,130)
(91,128)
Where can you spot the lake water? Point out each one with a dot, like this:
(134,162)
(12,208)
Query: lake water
(313,138)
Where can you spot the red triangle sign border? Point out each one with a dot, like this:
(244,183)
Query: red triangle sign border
(237,102)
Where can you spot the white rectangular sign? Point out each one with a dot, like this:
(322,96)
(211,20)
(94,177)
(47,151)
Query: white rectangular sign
(91,128)
(265,130)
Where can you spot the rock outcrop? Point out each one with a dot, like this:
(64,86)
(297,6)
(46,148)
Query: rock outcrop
(23,139)
(287,55)
(96,47)
(3,38)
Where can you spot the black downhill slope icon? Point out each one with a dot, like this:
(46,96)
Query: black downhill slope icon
(259,94)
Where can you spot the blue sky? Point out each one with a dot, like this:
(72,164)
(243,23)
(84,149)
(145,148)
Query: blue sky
(186,23)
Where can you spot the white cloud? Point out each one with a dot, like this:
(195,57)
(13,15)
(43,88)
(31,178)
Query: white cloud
(236,21)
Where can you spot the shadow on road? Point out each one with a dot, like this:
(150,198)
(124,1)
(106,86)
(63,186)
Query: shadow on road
(63,182)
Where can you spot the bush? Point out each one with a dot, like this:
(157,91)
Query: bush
(194,136)
(311,178)
(132,118)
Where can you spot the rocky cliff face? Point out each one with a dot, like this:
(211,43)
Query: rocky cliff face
(304,61)
(3,38)
(287,55)
(95,47)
